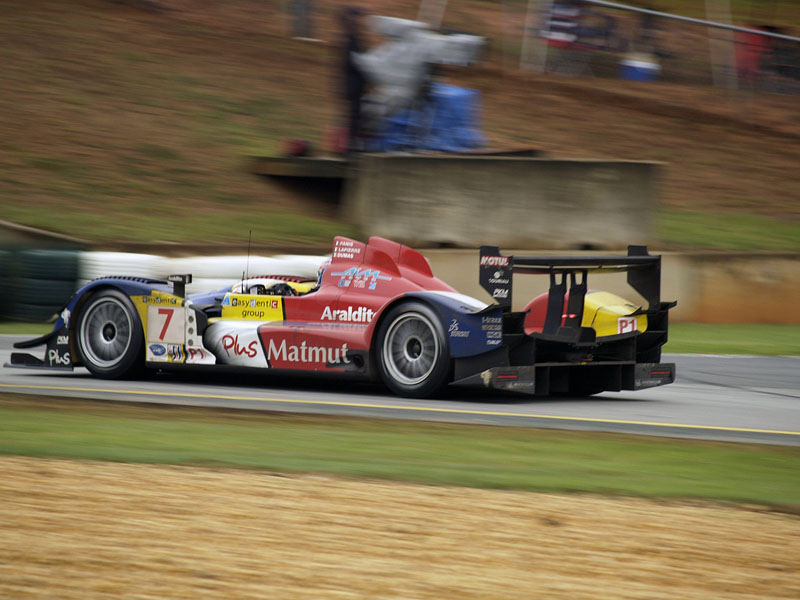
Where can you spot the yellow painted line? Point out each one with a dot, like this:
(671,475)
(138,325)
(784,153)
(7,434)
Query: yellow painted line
(431,409)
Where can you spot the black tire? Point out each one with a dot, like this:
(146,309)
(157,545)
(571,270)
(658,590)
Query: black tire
(109,336)
(5,283)
(43,292)
(51,265)
(35,313)
(413,355)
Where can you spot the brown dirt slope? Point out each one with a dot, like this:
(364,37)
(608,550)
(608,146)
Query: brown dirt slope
(108,107)
(80,530)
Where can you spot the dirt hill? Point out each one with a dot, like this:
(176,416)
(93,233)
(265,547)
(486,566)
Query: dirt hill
(115,117)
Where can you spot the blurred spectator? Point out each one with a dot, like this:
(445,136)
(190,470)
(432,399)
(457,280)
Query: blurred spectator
(353,81)
(751,49)
(563,22)
(782,60)
(571,22)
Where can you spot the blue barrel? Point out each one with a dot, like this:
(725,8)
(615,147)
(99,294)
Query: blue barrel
(638,70)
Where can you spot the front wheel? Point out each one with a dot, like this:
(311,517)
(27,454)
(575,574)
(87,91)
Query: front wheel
(412,351)
(109,336)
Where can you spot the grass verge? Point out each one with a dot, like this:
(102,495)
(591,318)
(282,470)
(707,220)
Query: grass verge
(758,339)
(684,338)
(439,454)
(728,231)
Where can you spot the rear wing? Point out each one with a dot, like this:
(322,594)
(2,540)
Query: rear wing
(569,273)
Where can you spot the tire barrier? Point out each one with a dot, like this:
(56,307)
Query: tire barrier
(42,283)
(51,265)
(208,284)
(101,264)
(214,272)
(226,267)
(36,284)
(5,283)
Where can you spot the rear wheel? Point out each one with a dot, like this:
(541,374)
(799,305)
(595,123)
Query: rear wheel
(109,336)
(412,351)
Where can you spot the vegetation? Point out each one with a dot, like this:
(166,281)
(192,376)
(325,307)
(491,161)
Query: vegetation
(758,339)
(439,454)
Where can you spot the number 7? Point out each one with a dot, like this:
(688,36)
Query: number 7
(168,312)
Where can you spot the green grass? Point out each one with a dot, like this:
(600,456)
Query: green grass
(13,328)
(692,338)
(439,454)
(748,338)
(720,231)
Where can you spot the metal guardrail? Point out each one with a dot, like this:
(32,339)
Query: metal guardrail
(693,20)
(760,58)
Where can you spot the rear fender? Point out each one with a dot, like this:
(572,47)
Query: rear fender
(471,326)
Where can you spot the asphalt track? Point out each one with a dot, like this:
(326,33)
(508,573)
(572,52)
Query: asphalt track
(725,398)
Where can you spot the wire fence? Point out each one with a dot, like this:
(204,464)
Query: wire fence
(598,38)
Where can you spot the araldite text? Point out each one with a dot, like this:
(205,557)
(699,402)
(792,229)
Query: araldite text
(362,314)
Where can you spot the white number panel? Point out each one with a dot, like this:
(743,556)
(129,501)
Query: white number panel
(166,324)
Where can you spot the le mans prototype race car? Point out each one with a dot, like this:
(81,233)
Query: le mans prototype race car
(376,311)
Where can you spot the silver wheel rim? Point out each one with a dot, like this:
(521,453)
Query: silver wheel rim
(106,332)
(411,349)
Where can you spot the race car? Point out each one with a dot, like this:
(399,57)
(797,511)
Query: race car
(377,312)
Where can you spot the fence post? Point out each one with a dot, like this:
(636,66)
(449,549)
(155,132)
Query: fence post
(721,45)
(530,30)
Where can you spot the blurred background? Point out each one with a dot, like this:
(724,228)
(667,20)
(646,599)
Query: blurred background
(132,125)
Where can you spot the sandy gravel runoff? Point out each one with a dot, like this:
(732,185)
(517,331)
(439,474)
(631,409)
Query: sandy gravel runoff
(81,530)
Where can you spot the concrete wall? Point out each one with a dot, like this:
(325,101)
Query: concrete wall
(709,288)
(509,201)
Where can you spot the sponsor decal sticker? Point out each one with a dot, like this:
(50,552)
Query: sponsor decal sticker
(65,315)
(500,293)
(175,352)
(62,340)
(493,327)
(156,299)
(499,278)
(455,332)
(55,358)
(231,345)
(249,306)
(304,353)
(494,261)
(158,349)
(361,314)
(360,278)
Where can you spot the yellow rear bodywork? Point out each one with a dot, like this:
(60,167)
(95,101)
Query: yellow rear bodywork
(609,314)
